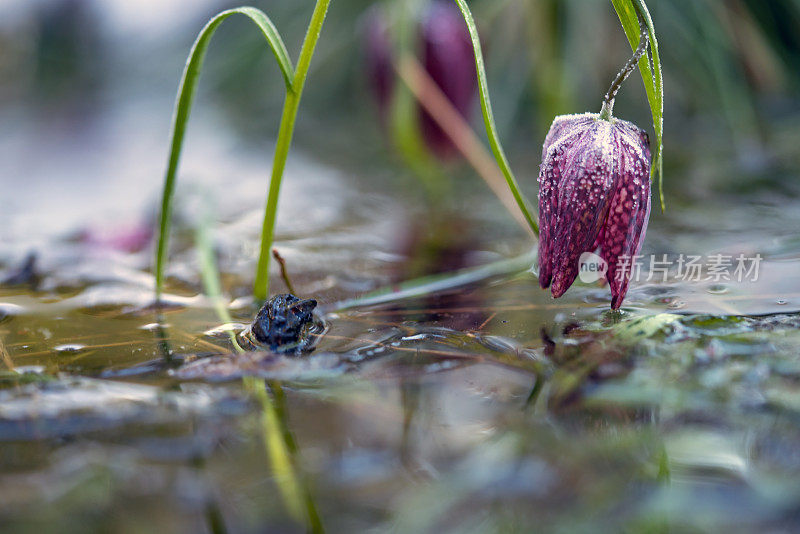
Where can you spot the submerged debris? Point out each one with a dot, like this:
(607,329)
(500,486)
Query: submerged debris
(286,324)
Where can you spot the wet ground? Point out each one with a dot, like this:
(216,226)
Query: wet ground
(482,407)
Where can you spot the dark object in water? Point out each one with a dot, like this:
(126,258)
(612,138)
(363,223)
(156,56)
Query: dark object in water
(25,274)
(285,324)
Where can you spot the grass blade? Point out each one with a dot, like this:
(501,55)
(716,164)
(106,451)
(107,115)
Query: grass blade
(427,285)
(488,121)
(653,84)
(210,273)
(183,104)
(285,131)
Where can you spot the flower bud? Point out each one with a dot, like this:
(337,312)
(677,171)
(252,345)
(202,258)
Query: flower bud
(594,192)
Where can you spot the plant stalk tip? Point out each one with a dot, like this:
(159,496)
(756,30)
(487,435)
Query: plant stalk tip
(644,40)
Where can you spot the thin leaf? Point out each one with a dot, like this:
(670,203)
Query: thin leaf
(210,273)
(488,121)
(183,105)
(427,285)
(284,142)
(653,84)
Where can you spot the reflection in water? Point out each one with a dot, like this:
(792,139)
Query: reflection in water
(395,389)
(554,411)
(410,400)
(4,357)
(472,404)
(283,453)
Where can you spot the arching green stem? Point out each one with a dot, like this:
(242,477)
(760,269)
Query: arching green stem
(294,80)
(183,106)
(290,106)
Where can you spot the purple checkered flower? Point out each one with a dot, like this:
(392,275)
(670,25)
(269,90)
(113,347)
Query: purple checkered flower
(448,58)
(446,55)
(594,193)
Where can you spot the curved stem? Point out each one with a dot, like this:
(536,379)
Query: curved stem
(488,121)
(631,13)
(290,106)
(183,106)
(608,101)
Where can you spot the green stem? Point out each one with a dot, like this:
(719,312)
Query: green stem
(631,13)
(183,107)
(608,101)
(290,106)
(488,120)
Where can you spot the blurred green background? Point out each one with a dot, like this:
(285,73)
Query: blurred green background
(731,75)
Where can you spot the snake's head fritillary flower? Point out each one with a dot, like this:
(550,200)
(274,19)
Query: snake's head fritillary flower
(594,193)
(448,58)
(446,55)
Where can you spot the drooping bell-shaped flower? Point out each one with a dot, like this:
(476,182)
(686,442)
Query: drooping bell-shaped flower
(445,53)
(448,59)
(594,192)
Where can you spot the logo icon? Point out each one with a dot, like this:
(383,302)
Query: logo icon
(592,268)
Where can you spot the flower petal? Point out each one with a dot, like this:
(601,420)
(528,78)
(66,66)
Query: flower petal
(588,171)
(448,58)
(629,211)
(565,131)
(378,58)
(566,126)
(594,192)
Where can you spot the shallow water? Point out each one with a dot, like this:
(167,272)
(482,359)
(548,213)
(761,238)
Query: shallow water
(481,407)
